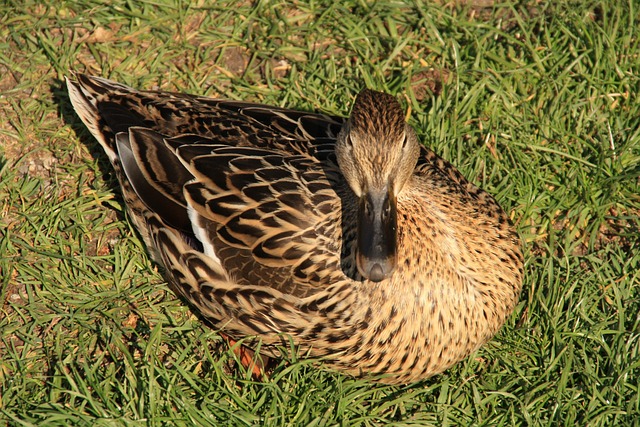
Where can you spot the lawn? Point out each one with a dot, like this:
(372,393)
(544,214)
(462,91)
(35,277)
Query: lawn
(537,102)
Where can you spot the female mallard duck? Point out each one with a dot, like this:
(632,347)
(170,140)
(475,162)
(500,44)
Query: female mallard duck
(367,249)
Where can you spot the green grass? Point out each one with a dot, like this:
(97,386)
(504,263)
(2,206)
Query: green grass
(535,101)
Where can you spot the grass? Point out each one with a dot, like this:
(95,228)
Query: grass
(535,101)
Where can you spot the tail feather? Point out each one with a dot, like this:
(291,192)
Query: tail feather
(85,104)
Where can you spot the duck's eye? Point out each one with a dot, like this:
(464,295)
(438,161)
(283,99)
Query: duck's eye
(349,142)
(405,141)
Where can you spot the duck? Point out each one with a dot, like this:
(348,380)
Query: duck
(344,236)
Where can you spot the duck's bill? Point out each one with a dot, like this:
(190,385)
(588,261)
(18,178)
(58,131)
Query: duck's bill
(377,255)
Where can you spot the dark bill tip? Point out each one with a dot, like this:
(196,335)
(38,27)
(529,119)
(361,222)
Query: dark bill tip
(376,270)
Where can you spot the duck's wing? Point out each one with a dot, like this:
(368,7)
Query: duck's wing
(115,108)
(267,219)
(252,186)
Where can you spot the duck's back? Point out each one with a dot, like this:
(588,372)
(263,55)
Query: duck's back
(118,107)
(253,187)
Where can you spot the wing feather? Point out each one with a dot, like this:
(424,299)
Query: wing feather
(254,184)
(266,225)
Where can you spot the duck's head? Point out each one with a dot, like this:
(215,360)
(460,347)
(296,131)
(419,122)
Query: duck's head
(377,153)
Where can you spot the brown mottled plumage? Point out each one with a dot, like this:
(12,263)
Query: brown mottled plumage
(368,250)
